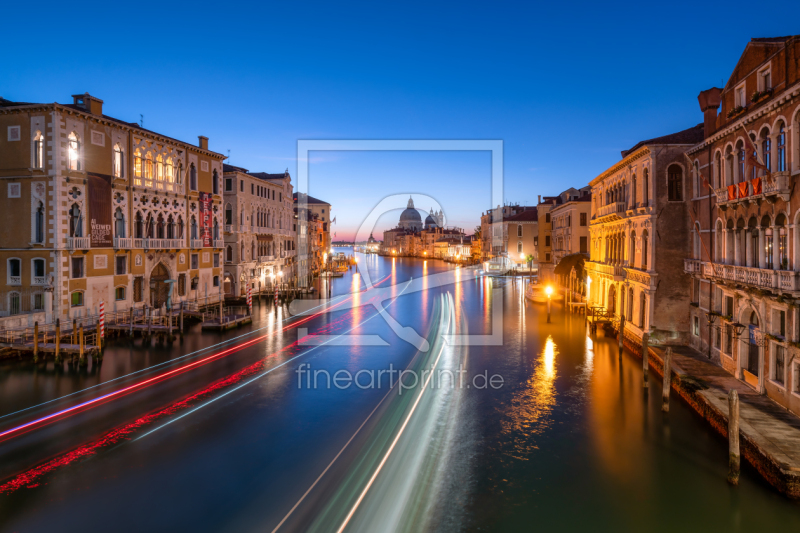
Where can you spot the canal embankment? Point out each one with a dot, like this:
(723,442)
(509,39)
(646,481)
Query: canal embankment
(769,434)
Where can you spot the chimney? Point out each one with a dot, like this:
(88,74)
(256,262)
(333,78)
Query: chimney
(89,103)
(709,101)
(203,142)
(539,200)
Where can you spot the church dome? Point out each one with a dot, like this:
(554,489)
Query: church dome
(410,217)
(430,222)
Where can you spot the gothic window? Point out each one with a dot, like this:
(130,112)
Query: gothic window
(192,177)
(118,166)
(74,152)
(215,183)
(119,223)
(675,183)
(38,150)
(75,221)
(38,229)
(781,148)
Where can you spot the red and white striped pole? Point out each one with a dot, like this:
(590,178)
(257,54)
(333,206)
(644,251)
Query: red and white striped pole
(250,298)
(102,319)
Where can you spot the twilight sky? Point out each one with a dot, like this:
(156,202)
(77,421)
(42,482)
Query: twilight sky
(565,85)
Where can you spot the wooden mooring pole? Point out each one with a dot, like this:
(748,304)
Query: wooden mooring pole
(734,460)
(667,379)
(58,341)
(36,342)
(621,334)
(82,356)
(181,321)
(645,359)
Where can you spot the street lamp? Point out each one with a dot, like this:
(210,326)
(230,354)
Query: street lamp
(549,291)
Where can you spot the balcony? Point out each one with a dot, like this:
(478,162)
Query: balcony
(242,228)
(230,228)
(609,212)
(755,190)
(79,243)
(123,243)
(196,243)
(219,243)
(762,278)
(616,272)
(15,280)
(266,258)
(39,280)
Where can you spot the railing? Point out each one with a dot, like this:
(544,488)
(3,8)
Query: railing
(785,280)
(229,228)
(21,301)
(79,243)
(197,243)
(242,228)
(39,280)
(780,184)
(266,258)
(15,280)
(613,208)
(219,243)
(123,243)
(617,271)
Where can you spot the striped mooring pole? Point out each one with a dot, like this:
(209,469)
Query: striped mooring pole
(102,322)
(250,298)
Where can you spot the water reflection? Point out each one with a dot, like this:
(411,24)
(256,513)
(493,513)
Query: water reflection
(529,409)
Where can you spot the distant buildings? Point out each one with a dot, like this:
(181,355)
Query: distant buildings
(413,238)
(259,230)
(313,228)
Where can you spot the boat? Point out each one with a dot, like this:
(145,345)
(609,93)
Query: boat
(536,293)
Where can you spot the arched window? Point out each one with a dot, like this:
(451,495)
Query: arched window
(622,304)
(241,252)
(138,226)
(675,183)
(119,171)
(766,149)
(38,150)
(74,152)
(148,227)
(633,191)
(229,254)
(697,180)
(168,174)
(215,182)
(179,235)
(148,170)
(645,249)
(646,187)
(38,225)
(741,154)
(216,228)
(241,217)
(14,271)
(630,304)
(632,260)
(642,310)
(519,230)
(781,148)
(119,224)
(160,227)
(75,221)
(193,228)
(192,177)
(170,227)
(179,176)
(228,215)
(718,170)
(137,168)
(160,171)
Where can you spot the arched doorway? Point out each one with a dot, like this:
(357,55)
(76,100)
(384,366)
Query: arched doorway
(228,284)
(612,299)
(159,289)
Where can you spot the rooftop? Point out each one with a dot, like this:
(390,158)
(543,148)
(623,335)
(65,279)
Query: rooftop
(690,136)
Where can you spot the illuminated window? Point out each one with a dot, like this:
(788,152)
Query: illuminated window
(160,171)
(168,174)
(148,170)
(38,150)
(137,168)
(74,152)
(781,148)
(118,166)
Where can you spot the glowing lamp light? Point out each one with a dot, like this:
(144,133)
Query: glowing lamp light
(548,290)
(522,255)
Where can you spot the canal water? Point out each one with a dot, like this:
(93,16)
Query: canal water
(233,439)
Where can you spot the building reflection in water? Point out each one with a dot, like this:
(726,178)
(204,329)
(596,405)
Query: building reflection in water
(529,412)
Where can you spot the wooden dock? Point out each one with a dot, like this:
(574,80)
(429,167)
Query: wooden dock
(225,318)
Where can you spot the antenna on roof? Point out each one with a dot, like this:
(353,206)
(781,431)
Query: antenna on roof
(141,120)
(229,155)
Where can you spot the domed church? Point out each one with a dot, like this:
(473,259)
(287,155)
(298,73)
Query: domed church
(410,217)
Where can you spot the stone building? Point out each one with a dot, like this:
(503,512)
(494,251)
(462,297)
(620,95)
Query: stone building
(260,246)
(95,209)
(746,245)
(313,228)
(570,231)
(639,236)
(492,243)
(544,206)
(521,237)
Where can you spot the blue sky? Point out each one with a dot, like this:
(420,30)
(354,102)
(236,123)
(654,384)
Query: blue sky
(565,85)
